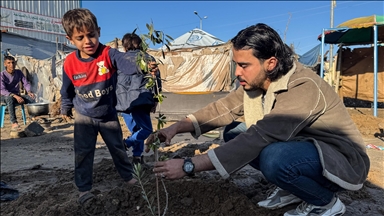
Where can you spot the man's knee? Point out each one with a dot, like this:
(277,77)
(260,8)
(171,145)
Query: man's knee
(273,160)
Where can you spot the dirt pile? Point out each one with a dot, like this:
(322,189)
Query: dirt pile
(47,186)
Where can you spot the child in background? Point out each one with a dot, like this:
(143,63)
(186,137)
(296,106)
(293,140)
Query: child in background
(89,83)
(134,99)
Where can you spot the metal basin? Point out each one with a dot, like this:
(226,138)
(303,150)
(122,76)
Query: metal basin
(37,109)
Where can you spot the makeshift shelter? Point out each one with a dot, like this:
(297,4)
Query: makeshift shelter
(200,69)
(357,75)
(194,38)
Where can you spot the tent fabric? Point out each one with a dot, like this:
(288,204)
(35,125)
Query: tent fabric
(45,75)
(363,22)
(206,69)
(357,31)
(194,38)
(357,76)
(311,57)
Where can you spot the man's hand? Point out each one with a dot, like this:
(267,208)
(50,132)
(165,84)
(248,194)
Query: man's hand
(67,118)
(173,169)
(170,169)
(165,135)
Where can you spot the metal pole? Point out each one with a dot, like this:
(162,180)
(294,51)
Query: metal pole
(201,19)
(57,44)
(333,3)
(322,55)
(375,63)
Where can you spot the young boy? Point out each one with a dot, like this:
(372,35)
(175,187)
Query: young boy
(10,93)
(89,83)
(134,100)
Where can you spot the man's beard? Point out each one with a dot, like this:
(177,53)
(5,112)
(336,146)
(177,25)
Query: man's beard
(257,83)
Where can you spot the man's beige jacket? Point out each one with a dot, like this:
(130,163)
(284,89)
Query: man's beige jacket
(298,106)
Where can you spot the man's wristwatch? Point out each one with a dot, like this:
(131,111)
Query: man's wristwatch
(189,167)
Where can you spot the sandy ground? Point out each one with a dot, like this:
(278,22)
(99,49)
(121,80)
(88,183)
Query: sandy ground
(41,169)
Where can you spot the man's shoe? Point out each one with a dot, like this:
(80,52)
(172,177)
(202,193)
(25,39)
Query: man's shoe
(334,208)
(278,198)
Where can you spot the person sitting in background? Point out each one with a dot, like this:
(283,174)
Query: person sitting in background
(134,100)
(10,89)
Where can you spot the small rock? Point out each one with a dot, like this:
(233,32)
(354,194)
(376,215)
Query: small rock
(33,129)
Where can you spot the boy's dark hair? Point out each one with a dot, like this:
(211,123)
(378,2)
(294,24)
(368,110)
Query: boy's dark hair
(131,41)
(79,18)
(11,58)
(265,43)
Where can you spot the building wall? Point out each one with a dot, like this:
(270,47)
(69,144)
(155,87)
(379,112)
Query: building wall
(41,16)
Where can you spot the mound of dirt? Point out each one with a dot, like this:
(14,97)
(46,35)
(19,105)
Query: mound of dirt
(52,192)
(47,187)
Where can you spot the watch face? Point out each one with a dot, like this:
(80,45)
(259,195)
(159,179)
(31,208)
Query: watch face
(188,167)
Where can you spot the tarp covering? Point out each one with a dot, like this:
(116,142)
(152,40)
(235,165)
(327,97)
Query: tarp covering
(363,22)
(360,31)
(205,69)
(194,38)
(311,57)
(45,75)
(357,74)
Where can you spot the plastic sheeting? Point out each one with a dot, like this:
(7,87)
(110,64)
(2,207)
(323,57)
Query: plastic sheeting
(45,75)
(205,69)
(194,38)
(311,57)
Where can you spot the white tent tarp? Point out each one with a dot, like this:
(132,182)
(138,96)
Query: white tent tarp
(205,69)
(194,38)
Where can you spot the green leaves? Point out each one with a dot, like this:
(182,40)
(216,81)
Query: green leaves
(150,83)
(160,97)
(161,121)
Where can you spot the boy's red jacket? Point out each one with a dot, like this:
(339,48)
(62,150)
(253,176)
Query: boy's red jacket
(89,84)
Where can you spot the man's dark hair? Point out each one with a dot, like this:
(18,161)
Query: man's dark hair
(11,58)
(265,43)
(131,41)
